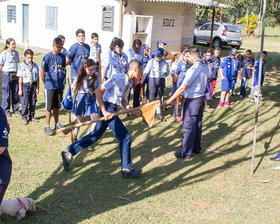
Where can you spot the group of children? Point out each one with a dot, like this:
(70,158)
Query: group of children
(85,61)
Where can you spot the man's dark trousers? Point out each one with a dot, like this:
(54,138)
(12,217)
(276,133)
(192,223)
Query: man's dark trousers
(192,126)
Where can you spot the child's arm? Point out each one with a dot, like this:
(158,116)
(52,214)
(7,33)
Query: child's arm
(38,85)
(20,86)
(241,70)
(42,74)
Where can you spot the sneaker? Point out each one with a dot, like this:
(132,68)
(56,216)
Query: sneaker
(179,155)
(66,159)
(160,117)
(228,104)
(90,148)
(73,116)
(24,122)
(48,130)
(33,119)
(178,118)
(221,104)
(131,172)
(58,126)
(17,113)
(8,114)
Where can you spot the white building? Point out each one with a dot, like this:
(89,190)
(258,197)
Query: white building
(39,21)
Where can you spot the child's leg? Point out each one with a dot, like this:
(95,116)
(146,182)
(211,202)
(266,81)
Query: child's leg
(223,96)
(15,97)
(6,86)
(76,130)
(24,101)
(213,84)
(33,100)
(56,115)
(93,116)
(176,107)
(226,96)
(48,117)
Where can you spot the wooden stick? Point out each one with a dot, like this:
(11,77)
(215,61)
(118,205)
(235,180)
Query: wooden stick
(99,62)
(66,130)
(69,115)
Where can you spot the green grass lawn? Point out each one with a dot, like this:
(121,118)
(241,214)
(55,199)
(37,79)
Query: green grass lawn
(214,187)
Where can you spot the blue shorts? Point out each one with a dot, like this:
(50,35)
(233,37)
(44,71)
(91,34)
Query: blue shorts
(227,84)
(208,91)
(85,105)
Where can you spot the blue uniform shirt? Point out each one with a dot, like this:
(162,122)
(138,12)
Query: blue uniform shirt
(210,67)
(131,54)
(156,69)
(153,54)
(230,67)
(64,52)
(28,72)
(181,70)
(85,88)
(5,160)
(216,64)
(256,75)
(77,54)
(94,52)
(247,66)
(54,67)
(117,88)
(196,80)
(9,61)
(145,60)
(115,63)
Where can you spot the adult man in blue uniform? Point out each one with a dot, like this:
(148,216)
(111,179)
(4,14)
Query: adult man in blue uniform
(111,94)
(5,160)
(193,89)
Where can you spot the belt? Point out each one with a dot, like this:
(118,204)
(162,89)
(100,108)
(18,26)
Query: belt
(30,83)
(114,105)
(197,98)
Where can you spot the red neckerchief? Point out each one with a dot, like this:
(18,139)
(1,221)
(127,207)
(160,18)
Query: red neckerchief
(21,204)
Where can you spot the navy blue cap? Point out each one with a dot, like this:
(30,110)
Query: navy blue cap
(161,42)
(160,52)
(146,47)
(233,51)
(67,103)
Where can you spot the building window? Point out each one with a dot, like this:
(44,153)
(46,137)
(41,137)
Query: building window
(51,17)
(108,18)
(11,11)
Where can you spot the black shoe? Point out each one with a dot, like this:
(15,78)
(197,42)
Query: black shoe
(160,117)
(131,172)
(275,159)
(66,158)
(48,130)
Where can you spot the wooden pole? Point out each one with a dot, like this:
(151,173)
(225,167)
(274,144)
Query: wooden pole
(69,115)
(121,18)
(221,15)
(212,27)
(99,67)
(258,97)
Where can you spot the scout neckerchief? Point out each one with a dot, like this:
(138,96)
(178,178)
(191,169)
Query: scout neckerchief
(29,68)
(97,52)
(14,60)
(89,91)
(209,67)
(127,87)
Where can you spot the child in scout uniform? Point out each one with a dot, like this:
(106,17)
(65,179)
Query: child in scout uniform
(180,75)
(28,73)
(95,49)
(5,160)
(115,60)
(8,64)
(177,58)
(85,84)
(256,74)
(209,64)
(53,75)
(216,60)
(157,69)
(136,52)
(246,72)
(111,94)
(160,44)
(77,54)
(229,68)
(145,60)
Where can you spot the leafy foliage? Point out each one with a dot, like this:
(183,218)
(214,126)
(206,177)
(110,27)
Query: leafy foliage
(252,23)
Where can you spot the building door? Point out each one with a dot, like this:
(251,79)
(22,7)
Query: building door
(25,22)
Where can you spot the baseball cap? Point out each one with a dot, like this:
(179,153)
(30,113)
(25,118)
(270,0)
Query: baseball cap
(146,47)
(233,51)
(160,52)
(161,42)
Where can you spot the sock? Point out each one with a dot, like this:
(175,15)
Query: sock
(47,126)
(226,100)
(75,133)
(222,99)
(182,108)
(158,110)
(175,112)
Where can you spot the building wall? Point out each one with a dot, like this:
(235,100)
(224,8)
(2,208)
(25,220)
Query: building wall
(71,16)
(182,16)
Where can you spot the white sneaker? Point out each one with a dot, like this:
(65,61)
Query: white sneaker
(58,126)
(90,148)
